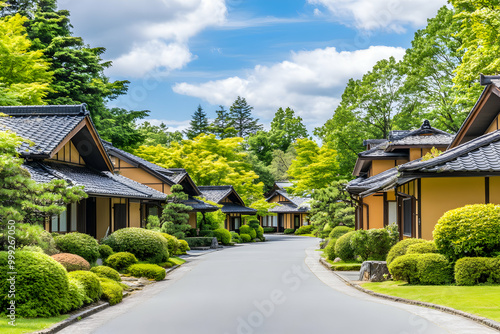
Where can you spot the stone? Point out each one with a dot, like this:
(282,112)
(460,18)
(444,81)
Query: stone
(144,281)
(127,278)
(214,244)
(373,271)
(337,259)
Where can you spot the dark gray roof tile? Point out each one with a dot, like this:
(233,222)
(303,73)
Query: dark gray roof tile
(215,193)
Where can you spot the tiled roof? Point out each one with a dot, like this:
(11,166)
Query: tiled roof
(297,204)
(288,208)
(236,208)
(478,155)
(215,193)
(380,151)
(379,181)
(199,206)
(283,184)
(45,126)
(298,201)
(95,182)
(431,140)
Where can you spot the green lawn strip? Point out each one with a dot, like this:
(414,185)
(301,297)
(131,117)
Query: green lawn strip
(306,235)
(481,300)
(176,260)
(24,325)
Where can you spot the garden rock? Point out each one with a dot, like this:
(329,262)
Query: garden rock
(373,271)
(337,259)
(214,244)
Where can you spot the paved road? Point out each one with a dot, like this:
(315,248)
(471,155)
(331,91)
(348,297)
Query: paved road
(264,288)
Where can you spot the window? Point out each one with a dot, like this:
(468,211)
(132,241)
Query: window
(236,222)
(407,216)
(392,207)
(66,221)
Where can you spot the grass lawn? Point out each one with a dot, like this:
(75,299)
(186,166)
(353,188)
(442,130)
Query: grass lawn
(306,235)
(482,300)
(175,260)
(28,325)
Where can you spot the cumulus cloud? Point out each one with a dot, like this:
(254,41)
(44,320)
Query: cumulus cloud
(391,15)
(171,124)
(310,82)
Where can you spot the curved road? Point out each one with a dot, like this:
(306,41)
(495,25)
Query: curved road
(264,288)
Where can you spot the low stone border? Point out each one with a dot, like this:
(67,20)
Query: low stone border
(485,321)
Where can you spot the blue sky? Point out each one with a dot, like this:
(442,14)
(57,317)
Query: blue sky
(275,53)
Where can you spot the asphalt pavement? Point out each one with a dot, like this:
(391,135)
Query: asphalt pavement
(275,287)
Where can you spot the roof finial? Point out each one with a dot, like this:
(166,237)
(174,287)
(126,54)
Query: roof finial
(426,125)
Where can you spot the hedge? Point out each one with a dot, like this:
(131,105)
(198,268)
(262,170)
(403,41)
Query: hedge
(339,231)
(108,272)
(90,283)
(71,262)
(289,231)
(245,229)
(80,244)
(330,249)
(199,242)
(428,269)
(422,248)
(245,237)
(152,271)
(223,236)
(183,247)
(343,247)
(477,270)
(105,251)
(121,260)
(146,245)
(400,248)
(269,229)
(306,229)
(235,237)
(111,290)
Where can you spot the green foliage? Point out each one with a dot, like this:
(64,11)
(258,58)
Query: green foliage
(245,237)
(207,233)
(343,247)
(404,268)
(339,231)
(223,125)
(31,249)
(90,282)
(151,271)
(269,229)
(183,247)
(209,161)
(198,124)
(108,272)
(260,232)
(199,242)
(426,269)
(330,249)
(314,167)
(80,244)
(306,229)
(105,251)
(118,126)
(76,295)
(223,236)
(173,243)
(175,216)
(213,220)
(71,262)
(400,248)
(360,244)
(281,162)
(235,237)
(373,244)
(35,235)
(121,260)
(346,267)
(432,154)
(158,134)
(146,245)
(153,223)
(477,270)
(422,248)
(241,115)
(289,231)
(39,279)
(111,290)
(472,230)
(245,229)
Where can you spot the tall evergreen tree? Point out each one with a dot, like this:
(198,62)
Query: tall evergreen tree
(198,124)
(241,114)
(288,126)
(222,126)
(175,216)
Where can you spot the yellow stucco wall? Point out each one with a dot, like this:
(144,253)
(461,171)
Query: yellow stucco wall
(141,176)
(135,214)
(495,190)
(192,219)
(376,211)
(69,153)
(102,216)
(442,194)
(493,126)
(378,166)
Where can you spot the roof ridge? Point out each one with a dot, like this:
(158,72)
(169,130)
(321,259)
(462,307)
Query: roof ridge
(46,110)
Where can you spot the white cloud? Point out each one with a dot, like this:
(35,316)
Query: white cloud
(172,125)
(392,15)
(310,82)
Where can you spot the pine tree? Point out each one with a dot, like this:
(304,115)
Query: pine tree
(198,124)
(223,126)
(175,215)
(241,114)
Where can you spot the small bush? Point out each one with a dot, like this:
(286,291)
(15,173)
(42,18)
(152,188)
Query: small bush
(400,248)
(152,271)
(472,230)
(477,270)
(207,233)
(111,290)
(173,243)
(108,272)
(80,244)
(339,231)
(121,260)
(199,242)
(360,244)
(347,267)
(76,296)
(289,231)
(90,283)
(422,248)
(71,262)
(306,229)
(105,251)
(330,249)
(41,285)
(223,236)
(183,247)
(245,237)
(269,229)
(428,269)
(260,232)
(235,237)
(343,247)
(379,244)
(404,268)
(146,245)
(245,229)
(36,249)
(35,235)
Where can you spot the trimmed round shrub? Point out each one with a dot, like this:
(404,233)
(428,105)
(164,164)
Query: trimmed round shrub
(404,268)
(260,232)
(80,244)
(111,290)
(343,247)
(360,244)
(379,244)
(400,248)
(223,236)
(245,237)
(245,229)
(41,285)
(72,262)
(35,235)
(433,269)
(151,271)
(37,249)
(105,251)
(422,248)
(207,233)
(108,272)
(330,249)
(472,230)
(121,260)
(90,283)
(235,237)
(339,231)
(477,270)
(183,247)
(173,243)
(146,245)
(76,296)
(306,229)
(289,231)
